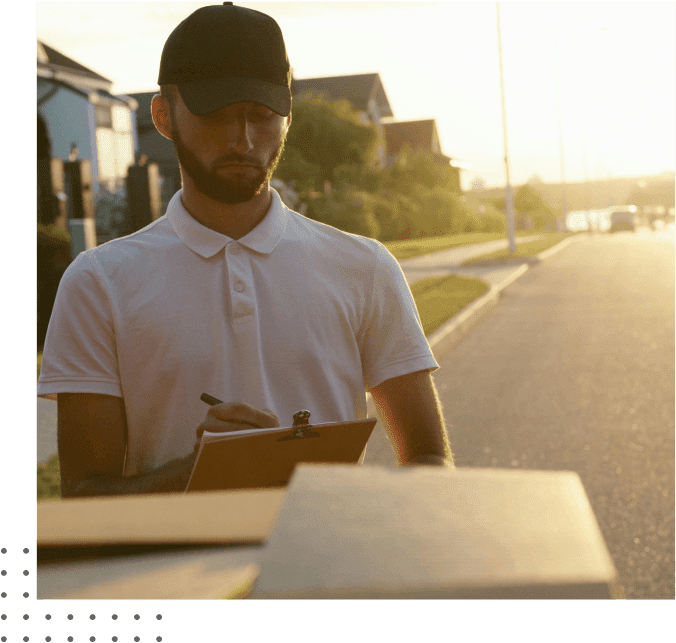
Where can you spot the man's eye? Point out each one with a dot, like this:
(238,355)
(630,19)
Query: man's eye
(260,114)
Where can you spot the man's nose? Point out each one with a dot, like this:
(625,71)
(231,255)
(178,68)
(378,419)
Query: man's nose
(238,133)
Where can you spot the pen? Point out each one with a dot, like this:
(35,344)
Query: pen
(209,399)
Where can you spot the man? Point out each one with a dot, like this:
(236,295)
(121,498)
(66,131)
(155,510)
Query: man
(230,293)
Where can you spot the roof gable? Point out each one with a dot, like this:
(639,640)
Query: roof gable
(358,89)
(417,134)
(55,58)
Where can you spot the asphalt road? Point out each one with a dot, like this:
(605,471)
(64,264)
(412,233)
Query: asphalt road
(574,370)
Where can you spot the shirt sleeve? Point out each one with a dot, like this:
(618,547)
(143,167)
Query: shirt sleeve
(393,342)
(80,354)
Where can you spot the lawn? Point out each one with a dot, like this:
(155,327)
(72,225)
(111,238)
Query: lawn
(417,247)
(440,298)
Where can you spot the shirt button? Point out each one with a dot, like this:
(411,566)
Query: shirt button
(234,249)
(239,286)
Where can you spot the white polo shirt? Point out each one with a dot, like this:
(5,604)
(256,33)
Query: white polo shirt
(294,315)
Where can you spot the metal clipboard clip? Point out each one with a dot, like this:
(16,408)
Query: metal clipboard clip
(302,426)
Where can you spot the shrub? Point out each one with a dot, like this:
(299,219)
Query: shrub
(348,210)
(394,213)
(492,220)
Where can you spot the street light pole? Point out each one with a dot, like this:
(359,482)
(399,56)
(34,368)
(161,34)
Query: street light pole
(586,178)
(564,207)
(509,205)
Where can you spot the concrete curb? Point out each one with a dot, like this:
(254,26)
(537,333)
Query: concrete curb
(517,261)
(545,254)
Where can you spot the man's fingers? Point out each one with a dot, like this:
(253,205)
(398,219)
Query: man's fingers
(227,417)
(243,413)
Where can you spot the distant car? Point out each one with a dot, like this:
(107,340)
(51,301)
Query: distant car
(622,220)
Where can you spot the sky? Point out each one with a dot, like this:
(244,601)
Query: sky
(610,114)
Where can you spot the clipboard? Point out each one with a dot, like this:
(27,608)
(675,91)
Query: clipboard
(266,458)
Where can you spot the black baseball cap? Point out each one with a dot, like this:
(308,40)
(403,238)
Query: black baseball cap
(223,54)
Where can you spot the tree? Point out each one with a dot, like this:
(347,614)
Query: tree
(323,136)
(529,203)
(414,168)
(413,196)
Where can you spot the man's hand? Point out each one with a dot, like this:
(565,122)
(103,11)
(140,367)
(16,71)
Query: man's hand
(235,416)
(431,460)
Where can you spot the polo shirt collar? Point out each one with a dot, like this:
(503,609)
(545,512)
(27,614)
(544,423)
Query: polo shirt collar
(206,242)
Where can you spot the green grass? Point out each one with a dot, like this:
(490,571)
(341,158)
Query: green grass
(49,479)
(409,248)
(49,474)
(440,298)
(523,250)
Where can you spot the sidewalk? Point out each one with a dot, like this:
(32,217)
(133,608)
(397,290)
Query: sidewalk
(449,262)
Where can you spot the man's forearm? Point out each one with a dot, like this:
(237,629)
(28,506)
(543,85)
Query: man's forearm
(410,409)
(172,477)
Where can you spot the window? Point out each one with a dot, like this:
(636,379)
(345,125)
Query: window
(115,146)
(103,115)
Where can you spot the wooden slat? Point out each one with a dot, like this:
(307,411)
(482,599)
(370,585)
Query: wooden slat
(190,519)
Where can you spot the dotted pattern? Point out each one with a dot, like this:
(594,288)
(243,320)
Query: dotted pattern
(29,620)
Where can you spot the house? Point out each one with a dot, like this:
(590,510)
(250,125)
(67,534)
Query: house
(79,119)
(419,135)
(156,148)
(365,92)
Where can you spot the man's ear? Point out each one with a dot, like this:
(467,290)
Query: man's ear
(161,113)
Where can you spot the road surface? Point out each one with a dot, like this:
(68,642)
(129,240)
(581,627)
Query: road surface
(574,370)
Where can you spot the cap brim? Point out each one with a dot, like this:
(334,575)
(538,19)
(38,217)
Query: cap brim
(202,97)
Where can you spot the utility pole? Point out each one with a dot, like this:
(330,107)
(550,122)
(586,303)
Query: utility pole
(509,204)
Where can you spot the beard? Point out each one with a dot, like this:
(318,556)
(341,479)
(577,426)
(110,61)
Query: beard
(230,190)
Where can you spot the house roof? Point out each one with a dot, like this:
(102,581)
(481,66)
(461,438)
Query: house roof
(358,89)
(50,57)
(417,134)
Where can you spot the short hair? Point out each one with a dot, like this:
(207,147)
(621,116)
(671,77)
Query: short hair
(170,93)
